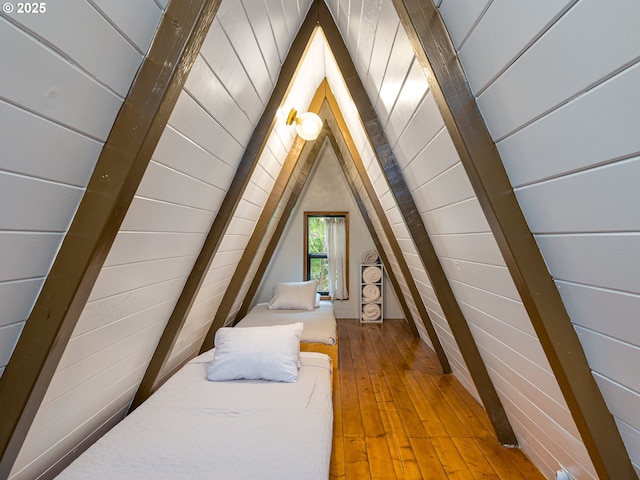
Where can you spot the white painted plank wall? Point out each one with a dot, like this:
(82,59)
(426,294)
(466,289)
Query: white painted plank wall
(456,225)
(562,105)
(156,247)
(48,78)
(372,69)
(372,51)
(392,261)
(261,250)
(70,56)
(229,254)
(255,47)
(309,77)
(160,238)
(462,237)
(365,41)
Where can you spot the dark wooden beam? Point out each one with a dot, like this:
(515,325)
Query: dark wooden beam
(118,172)
(384,154)
(248,256)
(304,169)
(360,202)
(274,199)
(539,294)
(155,374)
(393,243)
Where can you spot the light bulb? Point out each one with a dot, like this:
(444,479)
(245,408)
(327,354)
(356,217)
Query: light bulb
(308,126)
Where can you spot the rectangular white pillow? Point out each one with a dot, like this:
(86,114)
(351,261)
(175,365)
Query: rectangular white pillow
(294,296)
(257,353)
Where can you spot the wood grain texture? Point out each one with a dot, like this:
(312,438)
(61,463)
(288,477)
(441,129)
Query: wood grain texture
(395,436)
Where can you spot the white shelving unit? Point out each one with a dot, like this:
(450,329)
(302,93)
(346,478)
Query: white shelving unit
(371,293)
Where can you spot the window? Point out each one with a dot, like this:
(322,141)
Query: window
(318,265)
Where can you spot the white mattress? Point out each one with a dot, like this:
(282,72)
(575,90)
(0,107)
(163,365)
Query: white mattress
(192,428)
(319,324)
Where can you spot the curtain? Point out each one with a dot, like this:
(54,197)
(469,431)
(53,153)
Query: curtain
(337,257)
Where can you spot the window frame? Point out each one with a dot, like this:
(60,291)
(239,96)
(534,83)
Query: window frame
(307,256)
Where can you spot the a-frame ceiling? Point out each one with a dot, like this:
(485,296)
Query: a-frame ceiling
(102,211)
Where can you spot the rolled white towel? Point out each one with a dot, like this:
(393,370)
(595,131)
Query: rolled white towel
(371,274)
(370,256)
(371,312)
(370,293)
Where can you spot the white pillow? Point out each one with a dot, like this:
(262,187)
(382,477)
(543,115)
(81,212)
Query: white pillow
(317,304)
(257,353)
(294,296)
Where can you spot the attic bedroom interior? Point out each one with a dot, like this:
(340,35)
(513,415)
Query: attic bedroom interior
(483,157)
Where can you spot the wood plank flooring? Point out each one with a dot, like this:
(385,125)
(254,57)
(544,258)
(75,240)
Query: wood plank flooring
(396,416)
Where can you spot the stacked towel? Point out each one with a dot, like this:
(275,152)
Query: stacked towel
(371,274)
(370,256)
(371,312)
(370,293)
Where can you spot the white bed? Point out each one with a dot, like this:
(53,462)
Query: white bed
(192,428)
(320,332)
(319,323)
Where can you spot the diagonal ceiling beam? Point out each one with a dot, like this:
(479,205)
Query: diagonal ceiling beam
(155,374)
(360,202)
(395,247)
(118,172)
(322,92)
(457,322)
(296,190)
(248,256)
(274,199)
(539,294)
(372,231)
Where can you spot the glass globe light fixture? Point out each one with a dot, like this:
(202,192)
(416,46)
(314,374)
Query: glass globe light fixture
(308,124)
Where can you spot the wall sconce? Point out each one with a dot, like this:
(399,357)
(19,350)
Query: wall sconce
(308,125)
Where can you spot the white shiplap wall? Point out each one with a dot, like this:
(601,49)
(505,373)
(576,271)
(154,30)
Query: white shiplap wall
(256,194)
(55,64)
(266,239)
(570,131)
(161,236)
(371,67)
(562,105)
(49,76)
(261,250)
(464,244)
(391,310)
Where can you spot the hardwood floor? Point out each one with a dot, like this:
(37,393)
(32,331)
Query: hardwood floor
(397,417)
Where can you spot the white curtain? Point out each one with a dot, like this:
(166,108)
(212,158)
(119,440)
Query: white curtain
(337,257)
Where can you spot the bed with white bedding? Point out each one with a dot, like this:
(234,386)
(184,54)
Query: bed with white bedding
(320,332)
(319,323)
(193,428)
